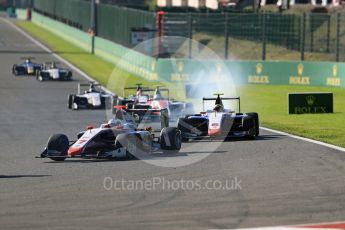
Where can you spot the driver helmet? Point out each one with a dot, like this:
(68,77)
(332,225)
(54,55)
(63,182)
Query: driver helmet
(139,91)
(92,88)
(157,95)
(114,122)
(218,108)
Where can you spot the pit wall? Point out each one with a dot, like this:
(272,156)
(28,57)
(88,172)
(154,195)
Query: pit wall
(185,70)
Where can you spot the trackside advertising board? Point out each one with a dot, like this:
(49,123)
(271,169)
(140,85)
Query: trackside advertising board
(330,74)
(300,103)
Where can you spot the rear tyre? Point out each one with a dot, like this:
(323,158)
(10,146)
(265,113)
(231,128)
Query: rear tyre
(69,76)
(256,119)
(170,139)
(60,144)
(249,125)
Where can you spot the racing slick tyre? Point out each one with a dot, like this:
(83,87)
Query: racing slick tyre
(58,144)
(14,70)
(129,105)
(69,76)
(70,101)
(249,125)
(39,76)
(256,118)
(195,125)
(129,142)
(170,139)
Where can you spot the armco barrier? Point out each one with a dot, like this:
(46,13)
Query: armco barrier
(177,70)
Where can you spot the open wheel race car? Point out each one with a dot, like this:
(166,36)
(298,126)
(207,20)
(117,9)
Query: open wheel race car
(141,101)
(51,71)
(92,98)
(26,68)
(119,138)
(219,122)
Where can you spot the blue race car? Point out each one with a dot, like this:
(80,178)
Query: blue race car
(26,68)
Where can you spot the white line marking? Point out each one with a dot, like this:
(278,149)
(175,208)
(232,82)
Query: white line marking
(305,139)
(45,48)
(108,91)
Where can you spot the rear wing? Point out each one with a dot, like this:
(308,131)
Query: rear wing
(222,98)
(80,85)
(145,89)
(164,115)
(134,88)
(141,113)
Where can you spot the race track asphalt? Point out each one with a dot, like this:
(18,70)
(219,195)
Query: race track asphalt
(280,180)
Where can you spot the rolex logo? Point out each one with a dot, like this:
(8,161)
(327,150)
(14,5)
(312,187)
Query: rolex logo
(335,70)
(310,100)
(259,68)
(300,69)
(180,67)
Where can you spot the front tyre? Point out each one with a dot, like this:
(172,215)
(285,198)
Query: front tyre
(70,101)
(14,70)
(57,147)
(39,76)
(170,139)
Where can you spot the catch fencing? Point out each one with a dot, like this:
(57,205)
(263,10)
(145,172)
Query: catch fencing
(262,36)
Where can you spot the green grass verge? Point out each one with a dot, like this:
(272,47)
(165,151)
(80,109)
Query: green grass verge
(269,101)
(271,104)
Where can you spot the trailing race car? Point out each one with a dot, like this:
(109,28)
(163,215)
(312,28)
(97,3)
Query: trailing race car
(51,71)
(26,68)
(141,102)
(119,138)
(219,122)
(92,98)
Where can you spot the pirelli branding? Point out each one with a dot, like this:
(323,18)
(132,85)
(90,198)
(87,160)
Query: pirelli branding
(299,79)
(300,103)
(258,78)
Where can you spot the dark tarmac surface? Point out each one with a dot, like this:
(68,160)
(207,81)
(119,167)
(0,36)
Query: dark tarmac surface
(280,180)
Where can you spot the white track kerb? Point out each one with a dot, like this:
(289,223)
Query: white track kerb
(87,77)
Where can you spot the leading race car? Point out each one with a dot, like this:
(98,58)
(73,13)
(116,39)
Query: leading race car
(141,101)
(51,71)
(26,68)
(219,122)
(92,98)
(119,138)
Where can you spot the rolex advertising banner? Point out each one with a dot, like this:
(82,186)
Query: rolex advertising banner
(251,72)
(300,103)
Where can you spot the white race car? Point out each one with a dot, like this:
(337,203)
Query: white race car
(92,98)
(51,71)
(219,122)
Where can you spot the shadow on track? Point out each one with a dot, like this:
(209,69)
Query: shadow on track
(21,176)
